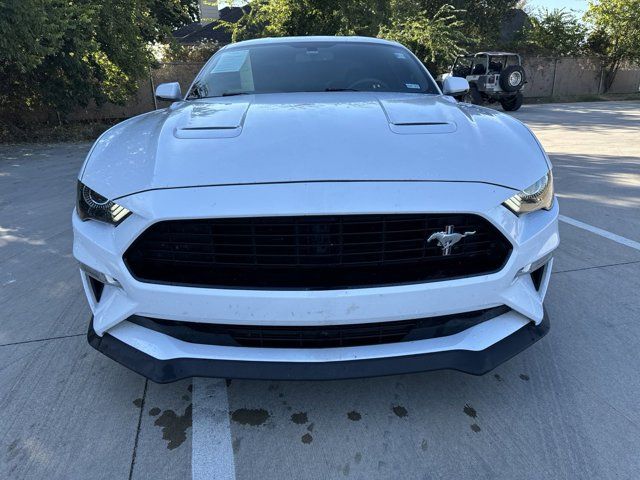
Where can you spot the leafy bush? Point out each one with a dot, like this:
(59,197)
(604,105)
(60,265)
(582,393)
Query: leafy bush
(192,53)
(553,32)
(60,54)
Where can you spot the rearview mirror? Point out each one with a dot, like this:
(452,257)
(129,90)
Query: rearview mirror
(169,91)
(455,86)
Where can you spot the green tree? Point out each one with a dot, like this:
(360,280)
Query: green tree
(64,53)
(615,34)
(483,20)
(277,18)
(554,32)
(433,30)
(436,39)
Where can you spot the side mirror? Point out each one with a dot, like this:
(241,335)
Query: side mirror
(455,86)
(169,91)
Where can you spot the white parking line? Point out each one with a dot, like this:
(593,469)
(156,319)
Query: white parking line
(211,449)
(601,232)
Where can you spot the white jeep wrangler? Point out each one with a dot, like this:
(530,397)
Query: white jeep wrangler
(492,76)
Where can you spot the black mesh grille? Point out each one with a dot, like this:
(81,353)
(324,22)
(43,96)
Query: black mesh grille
(314,252)
(319,336)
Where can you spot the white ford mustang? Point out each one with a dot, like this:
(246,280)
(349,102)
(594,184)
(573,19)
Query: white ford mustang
(315,208)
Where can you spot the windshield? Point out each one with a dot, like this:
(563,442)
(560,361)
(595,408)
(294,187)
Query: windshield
(311,67)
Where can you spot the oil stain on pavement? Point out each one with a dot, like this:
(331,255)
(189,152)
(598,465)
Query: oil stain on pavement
(470,411)
(299,418)
(174,426)
(354,416)
(400,411)
(251,417)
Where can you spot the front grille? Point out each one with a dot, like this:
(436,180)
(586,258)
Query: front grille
(319,336)
(314,252)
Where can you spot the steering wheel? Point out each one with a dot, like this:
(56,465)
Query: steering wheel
(370,83)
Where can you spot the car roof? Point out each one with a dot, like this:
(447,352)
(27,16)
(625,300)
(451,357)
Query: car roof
(345,39)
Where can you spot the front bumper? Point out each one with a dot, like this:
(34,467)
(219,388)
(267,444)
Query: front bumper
(100,247)
(171,370)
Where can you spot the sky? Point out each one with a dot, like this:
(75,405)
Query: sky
(580,5)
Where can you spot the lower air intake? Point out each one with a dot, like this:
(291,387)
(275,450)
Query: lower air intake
(324,336)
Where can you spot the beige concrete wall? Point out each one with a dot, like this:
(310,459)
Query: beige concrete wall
(567,76)
(577,76)
(540,76)
(627,80)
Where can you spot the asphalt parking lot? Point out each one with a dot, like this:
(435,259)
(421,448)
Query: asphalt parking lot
(565,408)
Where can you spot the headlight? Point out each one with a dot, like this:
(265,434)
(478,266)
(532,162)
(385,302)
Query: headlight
(536,197)
(93,206)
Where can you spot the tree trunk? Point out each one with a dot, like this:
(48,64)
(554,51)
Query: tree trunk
(610,75)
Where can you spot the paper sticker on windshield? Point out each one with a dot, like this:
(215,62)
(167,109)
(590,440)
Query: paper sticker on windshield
(414,86)
(231,61)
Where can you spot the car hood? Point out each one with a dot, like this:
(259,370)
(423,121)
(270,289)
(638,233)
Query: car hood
(311,137)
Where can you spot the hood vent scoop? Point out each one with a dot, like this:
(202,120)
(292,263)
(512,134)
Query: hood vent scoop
(416,115)
(207,132)
(209,128)
(417,128)
(413,124)
(212,120)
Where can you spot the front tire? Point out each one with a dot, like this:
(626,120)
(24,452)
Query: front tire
(513,103)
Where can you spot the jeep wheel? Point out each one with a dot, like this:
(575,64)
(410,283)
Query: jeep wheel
(512,78)
(511,104)
(472,96)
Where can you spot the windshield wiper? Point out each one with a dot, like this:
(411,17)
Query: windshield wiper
(232,94)
(226,94)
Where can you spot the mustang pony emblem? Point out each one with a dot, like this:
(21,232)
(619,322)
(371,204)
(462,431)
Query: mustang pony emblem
(448,239)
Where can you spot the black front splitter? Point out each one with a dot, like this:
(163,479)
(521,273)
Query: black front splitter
(165,371)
